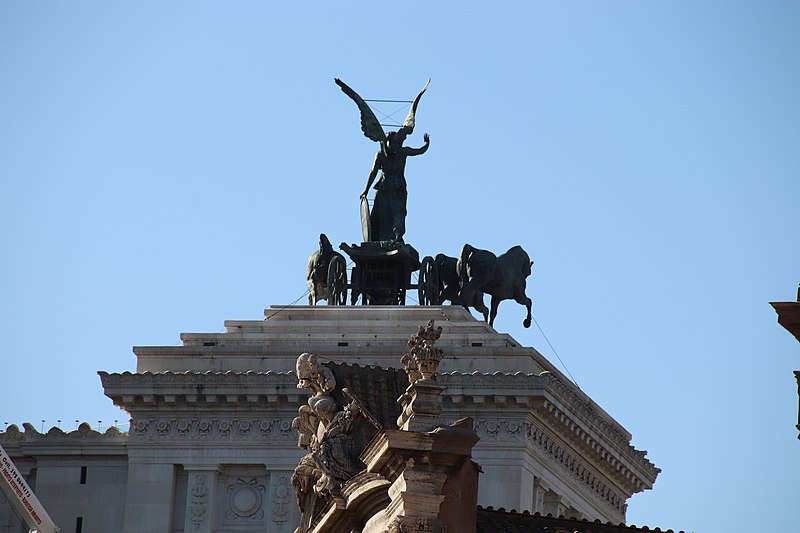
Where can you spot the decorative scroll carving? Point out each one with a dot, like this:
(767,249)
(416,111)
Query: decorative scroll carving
(423,359)
(405,524)
(494,430)
(212,429)
(199,501)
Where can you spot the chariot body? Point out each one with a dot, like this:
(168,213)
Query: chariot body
(382,275)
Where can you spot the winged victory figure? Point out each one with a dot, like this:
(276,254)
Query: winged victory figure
(387,220)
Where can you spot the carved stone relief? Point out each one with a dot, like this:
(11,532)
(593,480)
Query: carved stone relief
(333,434)
(405,524)
(198,508)
(281,498)
(244,501)
(216,429)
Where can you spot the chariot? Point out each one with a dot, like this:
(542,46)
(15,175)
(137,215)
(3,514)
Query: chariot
(382,275)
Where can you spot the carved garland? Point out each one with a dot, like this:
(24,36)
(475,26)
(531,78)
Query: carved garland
(231,429)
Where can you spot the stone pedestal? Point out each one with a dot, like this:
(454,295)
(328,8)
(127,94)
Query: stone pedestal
(422,406)
(433,479)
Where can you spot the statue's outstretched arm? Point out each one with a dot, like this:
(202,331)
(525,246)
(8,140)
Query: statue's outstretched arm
(376,166)
(422,149)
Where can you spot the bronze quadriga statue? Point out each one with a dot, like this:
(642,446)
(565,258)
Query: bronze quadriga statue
(383,262)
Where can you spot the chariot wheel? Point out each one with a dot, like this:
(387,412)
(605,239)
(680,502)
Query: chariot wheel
(428,286)
(337,281)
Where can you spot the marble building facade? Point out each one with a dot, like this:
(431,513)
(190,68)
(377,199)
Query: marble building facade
(211,447)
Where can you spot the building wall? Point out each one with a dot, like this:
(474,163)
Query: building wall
(99,501)
(211,448)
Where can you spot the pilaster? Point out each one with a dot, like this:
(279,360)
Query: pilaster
(200,498)
(283,508)
(554,504)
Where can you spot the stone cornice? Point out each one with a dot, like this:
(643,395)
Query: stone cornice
(558,404)
(195,378)
(788,316)
(632,464)
(581,472)
(566,412)
(213,389)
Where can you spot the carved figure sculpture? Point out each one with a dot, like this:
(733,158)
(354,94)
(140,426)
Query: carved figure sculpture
(502,277)
(317,270)
(334,435)
(388,216)
(321,405)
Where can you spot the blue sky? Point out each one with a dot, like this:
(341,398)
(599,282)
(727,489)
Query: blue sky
(167,166)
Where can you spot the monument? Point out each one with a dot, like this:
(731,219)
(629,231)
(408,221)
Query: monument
(384,262)
(347,418)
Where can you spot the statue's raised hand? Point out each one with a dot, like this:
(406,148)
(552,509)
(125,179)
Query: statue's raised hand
(426,138)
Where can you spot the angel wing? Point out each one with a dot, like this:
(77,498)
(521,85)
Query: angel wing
(369,123)
(408,125)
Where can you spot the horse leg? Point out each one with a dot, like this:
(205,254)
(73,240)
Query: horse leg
(480,306)
(472,297)
(467,295)
(521,299)
(495,304)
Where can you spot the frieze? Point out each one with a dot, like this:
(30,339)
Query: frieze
(212,428)
(494,430)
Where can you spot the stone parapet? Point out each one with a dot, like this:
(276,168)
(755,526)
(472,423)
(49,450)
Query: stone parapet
(371,335)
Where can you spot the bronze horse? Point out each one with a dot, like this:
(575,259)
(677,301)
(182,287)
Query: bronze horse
(449,284)
(502,277)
